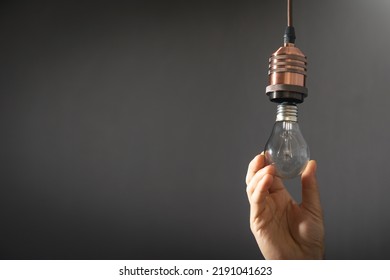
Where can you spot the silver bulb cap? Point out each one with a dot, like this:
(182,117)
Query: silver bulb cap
(287,112)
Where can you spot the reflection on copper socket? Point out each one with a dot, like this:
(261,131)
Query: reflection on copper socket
(287,75)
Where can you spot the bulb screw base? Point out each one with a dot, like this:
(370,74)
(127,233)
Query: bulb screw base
(287,112)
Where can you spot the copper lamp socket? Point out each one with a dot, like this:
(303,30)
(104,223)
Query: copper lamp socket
(287,75)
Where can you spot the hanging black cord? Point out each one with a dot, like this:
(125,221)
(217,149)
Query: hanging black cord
(289,34)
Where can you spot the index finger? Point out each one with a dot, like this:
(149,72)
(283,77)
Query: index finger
(255,165)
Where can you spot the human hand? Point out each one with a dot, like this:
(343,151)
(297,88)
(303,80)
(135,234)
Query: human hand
(282,228)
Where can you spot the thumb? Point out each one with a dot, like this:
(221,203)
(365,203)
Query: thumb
(310,193)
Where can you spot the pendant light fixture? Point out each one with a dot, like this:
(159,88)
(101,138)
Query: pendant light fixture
(286,148)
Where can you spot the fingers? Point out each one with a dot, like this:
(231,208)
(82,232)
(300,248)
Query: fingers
(255,180)
(259,180)
(310,193)
(258,198)
(277,185)
(255,165)
(261,191)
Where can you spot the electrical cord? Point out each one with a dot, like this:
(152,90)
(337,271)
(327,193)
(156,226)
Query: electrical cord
(289,34)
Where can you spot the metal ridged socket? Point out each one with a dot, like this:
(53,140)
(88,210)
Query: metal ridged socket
(287,112)
(287,75)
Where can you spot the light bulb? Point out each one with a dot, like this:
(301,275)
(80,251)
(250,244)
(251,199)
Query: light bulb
(286,148)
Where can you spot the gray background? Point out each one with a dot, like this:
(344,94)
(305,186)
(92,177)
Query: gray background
(127,127)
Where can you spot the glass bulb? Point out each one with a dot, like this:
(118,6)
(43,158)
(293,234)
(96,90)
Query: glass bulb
(286,148)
